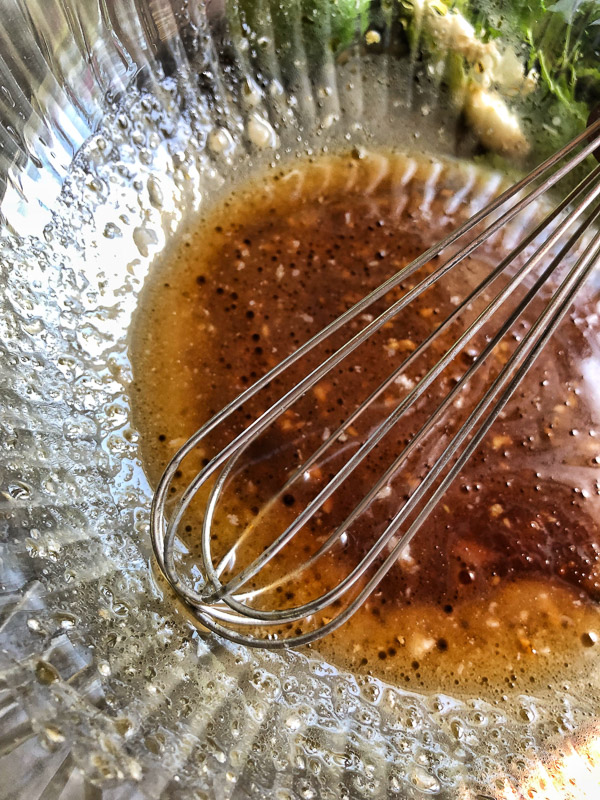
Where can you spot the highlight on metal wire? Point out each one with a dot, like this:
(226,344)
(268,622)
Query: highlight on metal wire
(566,235)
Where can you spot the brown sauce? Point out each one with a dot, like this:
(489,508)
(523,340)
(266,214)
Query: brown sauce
(500,587)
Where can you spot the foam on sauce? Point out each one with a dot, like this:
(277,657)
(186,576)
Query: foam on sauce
(500,588)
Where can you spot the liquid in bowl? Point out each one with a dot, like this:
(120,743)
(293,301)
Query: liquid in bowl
(499,590)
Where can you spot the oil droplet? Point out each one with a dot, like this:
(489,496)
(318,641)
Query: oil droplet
(155,194)
(424,781)
(144,238)
(220,141)
(112,231)
(260,132)
(54,735)
(19,491)
(46,673)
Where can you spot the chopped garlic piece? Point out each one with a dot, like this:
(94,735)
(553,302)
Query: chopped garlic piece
(494,73)
(494,123)
(453,32)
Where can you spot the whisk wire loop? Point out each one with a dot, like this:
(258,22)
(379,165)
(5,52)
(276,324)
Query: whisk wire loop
(517,367)
(223,607)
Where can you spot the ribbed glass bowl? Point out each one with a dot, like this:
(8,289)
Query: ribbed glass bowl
(118,120)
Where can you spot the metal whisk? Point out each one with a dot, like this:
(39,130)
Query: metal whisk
(225,606)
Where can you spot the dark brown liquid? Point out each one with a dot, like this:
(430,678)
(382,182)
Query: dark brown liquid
(500,585)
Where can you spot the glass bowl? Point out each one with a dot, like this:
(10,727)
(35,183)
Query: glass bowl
(120,120)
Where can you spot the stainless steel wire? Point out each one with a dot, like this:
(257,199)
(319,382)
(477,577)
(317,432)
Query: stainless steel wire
(224,607)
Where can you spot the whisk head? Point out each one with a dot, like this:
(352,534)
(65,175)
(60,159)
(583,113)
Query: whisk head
(257,591)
